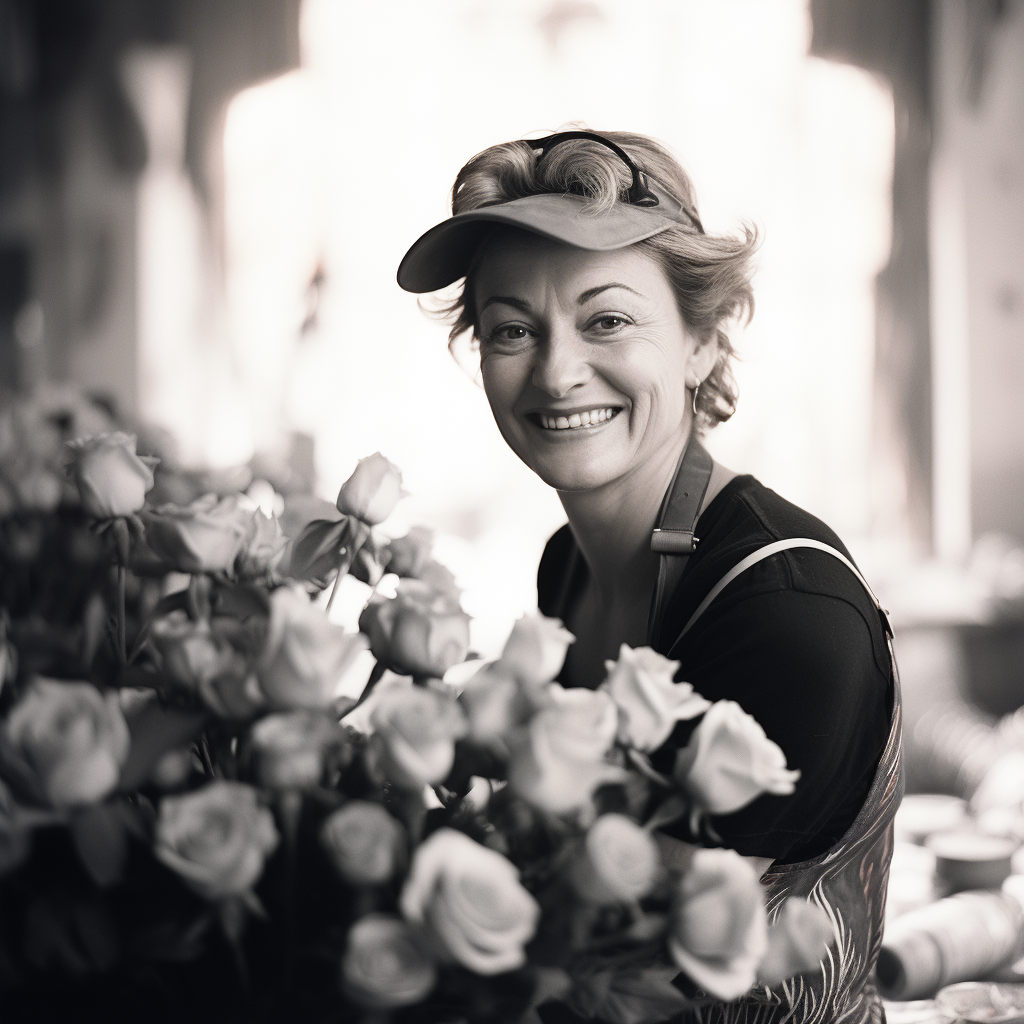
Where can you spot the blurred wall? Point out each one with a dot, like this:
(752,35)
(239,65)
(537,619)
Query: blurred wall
(978,258)
(73,154)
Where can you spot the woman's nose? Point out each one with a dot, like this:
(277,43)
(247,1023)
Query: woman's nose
(562,363)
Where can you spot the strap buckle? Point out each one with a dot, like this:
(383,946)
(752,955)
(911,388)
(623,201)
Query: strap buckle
(673,542)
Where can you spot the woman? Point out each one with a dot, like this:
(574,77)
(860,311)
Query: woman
(599,305)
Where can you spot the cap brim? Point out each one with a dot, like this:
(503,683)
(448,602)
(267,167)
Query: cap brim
(443,254)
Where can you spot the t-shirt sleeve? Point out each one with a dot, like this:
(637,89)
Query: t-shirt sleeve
(804,666)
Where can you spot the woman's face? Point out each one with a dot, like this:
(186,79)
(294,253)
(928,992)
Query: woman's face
(585,359)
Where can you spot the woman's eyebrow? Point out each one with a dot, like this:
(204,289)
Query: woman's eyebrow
(591,292)
(507,300)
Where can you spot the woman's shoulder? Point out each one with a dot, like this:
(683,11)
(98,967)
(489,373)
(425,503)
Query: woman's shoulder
(746,516)
(747,510)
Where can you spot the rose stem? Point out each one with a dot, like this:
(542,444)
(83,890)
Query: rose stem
(204,750)
(359,532)
(343,563)
(375,677)
(289,807)
(241,968)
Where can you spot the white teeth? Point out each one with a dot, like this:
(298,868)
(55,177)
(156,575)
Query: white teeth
(589,418)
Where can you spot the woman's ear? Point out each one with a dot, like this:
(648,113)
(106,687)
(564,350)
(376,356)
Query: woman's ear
(702,360)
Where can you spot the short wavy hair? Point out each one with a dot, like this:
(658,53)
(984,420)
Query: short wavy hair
(709,274)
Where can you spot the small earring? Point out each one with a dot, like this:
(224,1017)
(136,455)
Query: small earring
(695,390)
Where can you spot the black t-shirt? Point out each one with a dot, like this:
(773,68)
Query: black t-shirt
(794,640)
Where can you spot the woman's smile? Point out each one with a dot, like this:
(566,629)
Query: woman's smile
(572,420)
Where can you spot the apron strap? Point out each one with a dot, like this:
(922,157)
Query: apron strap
(784,545)
(673,538)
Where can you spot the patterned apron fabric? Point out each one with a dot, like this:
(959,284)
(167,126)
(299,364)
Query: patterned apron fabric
(849,883)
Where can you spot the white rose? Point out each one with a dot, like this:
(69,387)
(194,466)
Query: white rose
(263,547)
(191,654)
(558,758)
(416,729)
(385,964)
(535,649)
(619,861)
(288,748)
(215,838)
(650,703)
(205,536)
(719,927)
(364,842)
(584,722)
(729,761)
(111,479)
(372,491)
(470,899)
(305,655)
(495,704)
(421,631)
(64,743)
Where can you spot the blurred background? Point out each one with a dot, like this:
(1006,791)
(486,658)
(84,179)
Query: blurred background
(203,204)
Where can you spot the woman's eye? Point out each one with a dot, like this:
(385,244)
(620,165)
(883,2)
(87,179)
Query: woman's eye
(609,323)
(509,335)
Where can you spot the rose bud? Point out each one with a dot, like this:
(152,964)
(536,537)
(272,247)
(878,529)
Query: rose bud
(111,479)
(557,760)
(288,749)
(535,649)
(206,536)
(364,842)
(470,900)
(619,862)
(385,965)
(410,554)
(263,547)
(64,743)
(190,652)
(729,761)
(649,701)
(215,838)
(305,656)
(719,927)
(420,631)
(416,729)
(372,491)
(798,940)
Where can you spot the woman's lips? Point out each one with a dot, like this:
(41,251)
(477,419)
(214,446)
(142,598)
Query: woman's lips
(584,419)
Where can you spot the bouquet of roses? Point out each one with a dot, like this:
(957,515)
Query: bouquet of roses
(211,805)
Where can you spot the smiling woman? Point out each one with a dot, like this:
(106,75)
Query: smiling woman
(600,307)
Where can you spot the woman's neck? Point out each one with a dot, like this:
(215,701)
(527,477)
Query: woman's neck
(612,526)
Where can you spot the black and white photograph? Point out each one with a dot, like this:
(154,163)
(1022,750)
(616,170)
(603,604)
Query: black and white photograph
(511,511)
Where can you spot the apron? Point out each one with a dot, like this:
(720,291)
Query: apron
(849,880)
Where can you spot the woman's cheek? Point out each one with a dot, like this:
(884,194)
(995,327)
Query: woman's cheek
(503,384)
